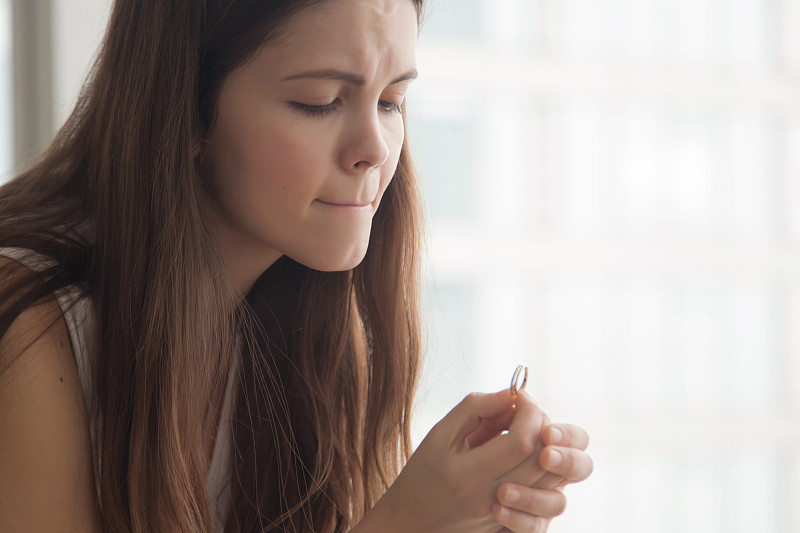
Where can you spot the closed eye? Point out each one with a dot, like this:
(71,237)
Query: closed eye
(389,107)
(315,110)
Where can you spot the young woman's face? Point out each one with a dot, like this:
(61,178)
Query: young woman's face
(308,136)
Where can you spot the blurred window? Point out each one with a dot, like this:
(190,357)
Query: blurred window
(446,157)
(460,20)
(614,191)
(6,85)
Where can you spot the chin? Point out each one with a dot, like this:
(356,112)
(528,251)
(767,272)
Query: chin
(333,260)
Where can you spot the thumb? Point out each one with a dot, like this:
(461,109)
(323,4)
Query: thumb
(466,417)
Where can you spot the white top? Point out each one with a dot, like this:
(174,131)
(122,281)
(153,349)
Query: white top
(79,315)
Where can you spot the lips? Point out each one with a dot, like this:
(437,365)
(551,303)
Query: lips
(346,203)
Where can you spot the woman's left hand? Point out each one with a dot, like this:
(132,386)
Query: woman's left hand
(564,460)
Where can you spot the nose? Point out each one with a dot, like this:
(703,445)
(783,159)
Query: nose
(365,145)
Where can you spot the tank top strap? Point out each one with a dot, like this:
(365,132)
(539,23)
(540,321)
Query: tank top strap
(78,313)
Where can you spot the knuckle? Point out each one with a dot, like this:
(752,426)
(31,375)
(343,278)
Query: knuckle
(538,524)
(531,501)
(523,522)
(556,460)
(470,399)
(523,446)
(568,460)
(504,492)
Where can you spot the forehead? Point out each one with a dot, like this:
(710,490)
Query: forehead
(366,36)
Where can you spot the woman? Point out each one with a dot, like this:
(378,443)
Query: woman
(209,295)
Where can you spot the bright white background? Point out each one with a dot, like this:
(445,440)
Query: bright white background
(613,190)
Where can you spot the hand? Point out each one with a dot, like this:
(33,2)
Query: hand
(534,494)
(450,483)
(523,509)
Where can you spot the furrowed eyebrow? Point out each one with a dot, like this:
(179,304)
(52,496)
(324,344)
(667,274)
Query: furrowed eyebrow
(346,77)
(410,75)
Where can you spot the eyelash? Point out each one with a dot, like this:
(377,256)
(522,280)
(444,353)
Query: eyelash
(389,107)
(327,109)
(315,110)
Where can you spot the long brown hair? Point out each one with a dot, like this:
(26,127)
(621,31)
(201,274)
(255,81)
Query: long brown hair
(328,361)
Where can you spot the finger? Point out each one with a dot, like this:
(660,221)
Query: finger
(467,416)
(490,428)
(544,503)
(566,435)
(519,522)
(505,452)
(548,481)
(572,464)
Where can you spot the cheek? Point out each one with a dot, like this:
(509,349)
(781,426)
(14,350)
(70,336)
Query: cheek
(386,177)
(394,139)
(280,163)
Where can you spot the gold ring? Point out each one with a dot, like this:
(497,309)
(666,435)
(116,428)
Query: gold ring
(521,370)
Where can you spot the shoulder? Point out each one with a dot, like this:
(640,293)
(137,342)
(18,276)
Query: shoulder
(46,476)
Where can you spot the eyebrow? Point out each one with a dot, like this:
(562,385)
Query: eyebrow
(346,77)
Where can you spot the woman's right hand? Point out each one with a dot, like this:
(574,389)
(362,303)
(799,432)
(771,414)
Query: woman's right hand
(450,484)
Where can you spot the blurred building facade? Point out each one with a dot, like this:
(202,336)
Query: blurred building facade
(614,198)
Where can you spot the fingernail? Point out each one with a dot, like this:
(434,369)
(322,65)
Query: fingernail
(555,435)
(505,513)
(555,458)
(512,495)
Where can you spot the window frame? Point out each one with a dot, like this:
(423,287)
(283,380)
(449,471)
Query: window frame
(32,87)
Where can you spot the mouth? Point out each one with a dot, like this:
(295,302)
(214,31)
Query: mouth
(346,204)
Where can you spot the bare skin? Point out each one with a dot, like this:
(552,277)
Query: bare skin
(46,479)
